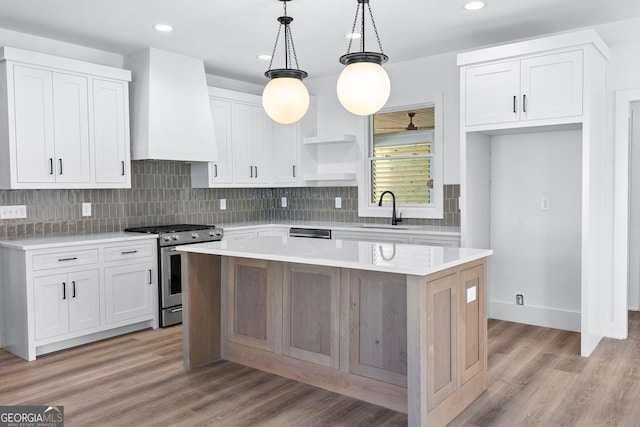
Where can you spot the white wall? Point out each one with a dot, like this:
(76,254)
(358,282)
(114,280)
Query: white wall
(418,81)
(536,252)
(634,212)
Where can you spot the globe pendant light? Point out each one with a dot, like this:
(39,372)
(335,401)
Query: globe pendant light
(285,98)
(363,86)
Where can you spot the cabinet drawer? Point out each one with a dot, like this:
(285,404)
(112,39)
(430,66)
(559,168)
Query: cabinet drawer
(129,251)
(65,259)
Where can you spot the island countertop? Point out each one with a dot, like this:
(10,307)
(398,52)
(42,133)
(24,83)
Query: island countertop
(416,260)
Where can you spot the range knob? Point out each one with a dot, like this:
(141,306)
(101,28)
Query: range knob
(195,235)
(212,233)
(166,238)
(176,237)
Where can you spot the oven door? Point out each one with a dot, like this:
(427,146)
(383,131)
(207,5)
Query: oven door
(171,279)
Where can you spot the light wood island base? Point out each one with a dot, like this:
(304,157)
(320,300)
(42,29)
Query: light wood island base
(414,344)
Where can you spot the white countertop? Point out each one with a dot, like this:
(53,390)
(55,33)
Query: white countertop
(81,239)
(346,226)
(388,257)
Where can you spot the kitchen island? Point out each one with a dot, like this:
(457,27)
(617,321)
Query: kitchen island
(401,326)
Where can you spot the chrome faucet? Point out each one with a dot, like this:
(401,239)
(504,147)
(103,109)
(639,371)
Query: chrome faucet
(394,219)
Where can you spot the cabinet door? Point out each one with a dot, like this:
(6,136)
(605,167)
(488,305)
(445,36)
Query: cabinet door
(111,131)
(378,318)
(242,155)
(285,154)
(34,143)
(442,313)
(552,86)
(311,313)
(472,322)
(71,128)
(84,300)
(260,138)
(128,291)
(492,93)
(220,171)
(250,298)
(51,305)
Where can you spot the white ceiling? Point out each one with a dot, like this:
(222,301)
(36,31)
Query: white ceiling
(228,35)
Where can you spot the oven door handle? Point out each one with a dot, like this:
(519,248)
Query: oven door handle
(176,310)
(172,249)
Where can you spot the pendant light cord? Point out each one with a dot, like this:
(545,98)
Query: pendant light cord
(289,47)
(355,22)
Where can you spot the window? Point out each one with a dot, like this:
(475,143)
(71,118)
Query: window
(404,155)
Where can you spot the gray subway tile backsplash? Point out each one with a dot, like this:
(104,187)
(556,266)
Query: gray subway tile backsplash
(161,193)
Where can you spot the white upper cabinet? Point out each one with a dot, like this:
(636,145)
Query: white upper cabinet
(251,130)
(111,131)
(530,89)
(60,126)
(253,151)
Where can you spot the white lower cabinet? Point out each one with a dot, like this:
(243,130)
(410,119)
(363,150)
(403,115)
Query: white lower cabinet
(128,291)
(66,303)
(55,297)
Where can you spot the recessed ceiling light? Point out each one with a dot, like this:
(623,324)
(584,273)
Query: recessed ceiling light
(475,5)
(165,28)
(264,57)
(353,35)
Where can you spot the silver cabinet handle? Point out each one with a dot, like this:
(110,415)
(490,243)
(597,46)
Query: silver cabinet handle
(128,252)
(294,171)
(524,103)
(250,171)
(50,165)
(256,171)
(122,163)
(68,259)
(514,103)
(64,290)
(150,276)
(60,163)
(73,283)
(215,171)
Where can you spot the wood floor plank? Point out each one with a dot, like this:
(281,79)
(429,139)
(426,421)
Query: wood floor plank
(536,377)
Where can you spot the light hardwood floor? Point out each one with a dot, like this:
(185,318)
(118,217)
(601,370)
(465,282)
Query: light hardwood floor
(536,377)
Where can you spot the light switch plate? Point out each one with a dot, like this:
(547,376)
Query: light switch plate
(223,204)
(544,204)
(86,209)
(283,202)
(338,202)
(12,212)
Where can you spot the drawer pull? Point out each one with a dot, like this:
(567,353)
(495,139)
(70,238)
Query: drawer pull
(294,171)
(73,283)
(150,276)
(64,290)
(68,259)
(129,252)
(50,165)
(256,171)
(514,103)
(60,161)
(215,168)
(122,162)
(524,103)
(176,310)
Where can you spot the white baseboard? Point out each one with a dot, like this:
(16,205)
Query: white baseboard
(538,316)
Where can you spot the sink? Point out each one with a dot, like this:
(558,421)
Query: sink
(383,226)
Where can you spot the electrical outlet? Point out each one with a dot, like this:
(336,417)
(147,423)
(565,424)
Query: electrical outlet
(519,299)
(338,202)
(223,204)
(283,202)
(544,204)
(86,209)
(11,212)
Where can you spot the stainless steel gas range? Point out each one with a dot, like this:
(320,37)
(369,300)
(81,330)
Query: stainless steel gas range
(169,270)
